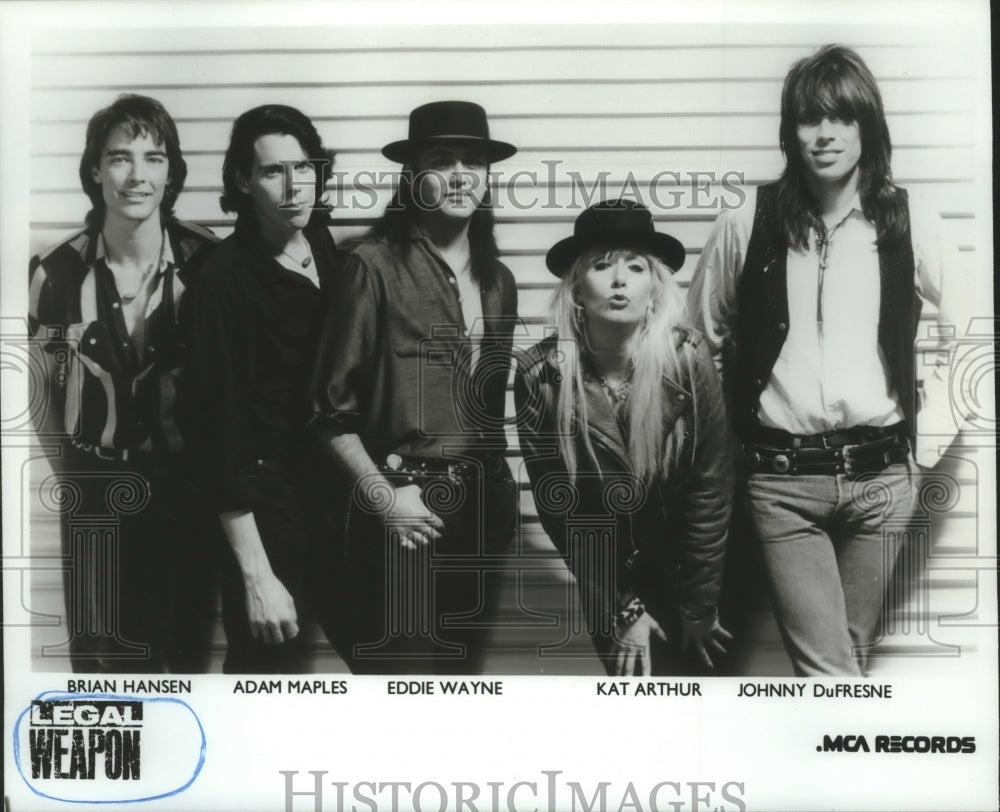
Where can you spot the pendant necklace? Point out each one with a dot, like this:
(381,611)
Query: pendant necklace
(824,241)
(618,392)
(128,298)
(305,263)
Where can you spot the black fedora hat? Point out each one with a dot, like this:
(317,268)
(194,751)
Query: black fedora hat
(445,121)
(613,223)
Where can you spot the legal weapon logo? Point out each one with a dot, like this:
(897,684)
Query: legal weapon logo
(82,739)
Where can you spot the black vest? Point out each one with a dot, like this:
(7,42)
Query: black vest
(762,314)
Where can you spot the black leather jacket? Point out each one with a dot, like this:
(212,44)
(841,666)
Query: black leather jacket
(662,543)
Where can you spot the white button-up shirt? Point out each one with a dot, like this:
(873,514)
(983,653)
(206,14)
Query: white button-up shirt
(830,373)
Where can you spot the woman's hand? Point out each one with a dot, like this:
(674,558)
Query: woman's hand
(630,647)
(706,636)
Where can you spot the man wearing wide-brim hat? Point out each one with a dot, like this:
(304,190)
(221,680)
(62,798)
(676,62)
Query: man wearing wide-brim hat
(409,395)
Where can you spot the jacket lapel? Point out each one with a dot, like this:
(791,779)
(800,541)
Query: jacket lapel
(676,399)
(604,425)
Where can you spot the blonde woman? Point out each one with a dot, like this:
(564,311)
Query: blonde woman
(623,430)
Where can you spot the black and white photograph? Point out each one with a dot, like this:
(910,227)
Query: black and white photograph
(498,407)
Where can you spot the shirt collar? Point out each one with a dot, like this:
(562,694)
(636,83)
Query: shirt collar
(855,204)
(419,234)
(261,255)
(166,255)
(852,208)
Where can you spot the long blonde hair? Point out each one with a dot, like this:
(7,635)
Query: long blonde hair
(653,354)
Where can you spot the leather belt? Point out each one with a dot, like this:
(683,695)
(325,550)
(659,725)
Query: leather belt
(828,454)
(857,435)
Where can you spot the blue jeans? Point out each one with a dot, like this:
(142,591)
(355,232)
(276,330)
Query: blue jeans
(829,546)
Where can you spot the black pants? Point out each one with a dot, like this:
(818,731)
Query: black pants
(398,611)
(290,518)
(141,572)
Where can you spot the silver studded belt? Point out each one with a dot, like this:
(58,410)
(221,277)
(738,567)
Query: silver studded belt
(851,459)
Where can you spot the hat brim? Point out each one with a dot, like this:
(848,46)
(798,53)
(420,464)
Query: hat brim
(403,151)
(563,254)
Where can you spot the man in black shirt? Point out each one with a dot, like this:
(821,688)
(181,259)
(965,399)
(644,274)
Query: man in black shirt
(409,398)
(109,306)
(257,319)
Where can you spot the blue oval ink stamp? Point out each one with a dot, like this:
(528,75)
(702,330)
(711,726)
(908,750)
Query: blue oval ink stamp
(108,748)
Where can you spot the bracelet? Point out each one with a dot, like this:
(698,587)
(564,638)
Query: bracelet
(630,614)
(700,614)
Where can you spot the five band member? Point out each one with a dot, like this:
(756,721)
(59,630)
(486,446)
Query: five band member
(257,319)
(623,409)
(110,303)
(811,291)
(814,289)
(409,398)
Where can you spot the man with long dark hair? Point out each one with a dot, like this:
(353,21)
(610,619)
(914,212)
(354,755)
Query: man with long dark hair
(257,318)
(812,292)
(409,398)
(111,305)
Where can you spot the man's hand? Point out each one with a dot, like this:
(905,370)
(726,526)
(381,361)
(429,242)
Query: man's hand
(270,609)
(706,636)
(416,525)
(631,647)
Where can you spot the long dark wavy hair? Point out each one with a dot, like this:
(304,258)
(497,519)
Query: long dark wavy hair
(835,81)
(269,119)
(139,115)
(396,223)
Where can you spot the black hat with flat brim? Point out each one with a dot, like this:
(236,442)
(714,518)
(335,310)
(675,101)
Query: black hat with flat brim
(448,122)
(614,224)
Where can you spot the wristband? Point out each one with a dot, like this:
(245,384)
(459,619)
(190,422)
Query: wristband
(630,614)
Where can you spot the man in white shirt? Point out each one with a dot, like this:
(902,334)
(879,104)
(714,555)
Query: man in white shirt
(810,295)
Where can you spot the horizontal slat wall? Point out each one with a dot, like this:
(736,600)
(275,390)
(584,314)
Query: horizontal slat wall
(639,99)
(699,103)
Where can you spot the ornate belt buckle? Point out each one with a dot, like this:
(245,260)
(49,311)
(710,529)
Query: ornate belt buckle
(394,462)
(848,467)
(781,464)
